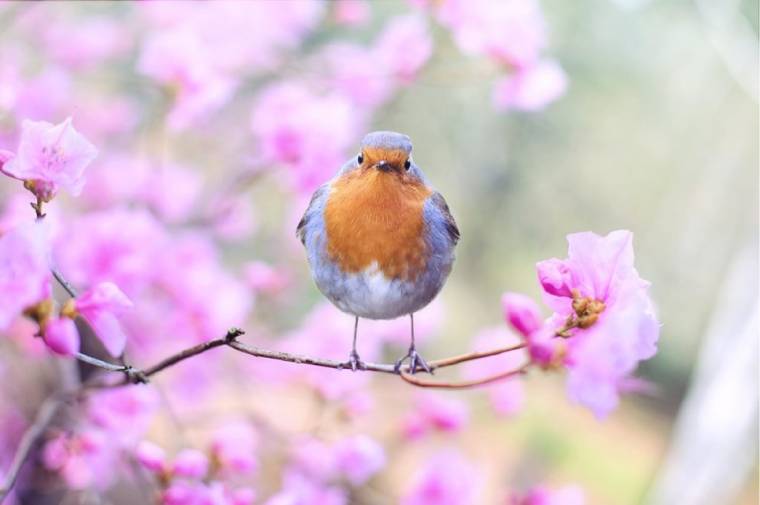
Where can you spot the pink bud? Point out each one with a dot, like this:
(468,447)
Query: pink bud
(179,493)
(191,463)
(243,496)
(62,337)
(555,277)
(521,312)
(44,190)
(151,456)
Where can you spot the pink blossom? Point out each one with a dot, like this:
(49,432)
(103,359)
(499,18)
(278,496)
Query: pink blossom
(366,85)
(265,278)
(435,411)
(70,40)
(101,306)
(234,447)
(351,12)
(82,460)
(190,463)
(305,132)
(126,413)
(619,328)
(179,59)
(532,87)
(507,396)
(521,312)
(24,270)
(542,495)
(45,94)
(404,47)
(172,191)
(299,490)
(511,31)
(5,156)
(62,337)
(314,459)
(151,456)
(359,458)
(446,479)
(117,245)
(55,155)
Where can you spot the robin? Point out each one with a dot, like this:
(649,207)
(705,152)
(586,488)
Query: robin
(380,240)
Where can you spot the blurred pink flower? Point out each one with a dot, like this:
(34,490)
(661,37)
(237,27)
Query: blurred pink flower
(610,341)
(101,306)
(117,245)
(507,396)
(190,463)
(24,270)
(542,495)
(446,479)
(299,490)
(521,312)
(234,447)
(173,191)
(435,411)
(83,460)
(366,85)
(47,94)
(179,59)
(358,458)
(403,47)
(351,12)
(125,413)
(511,31)
(531,87)
(265,278)
(305,132)
(62,337)
(50,154)
(70,40)
(151,456)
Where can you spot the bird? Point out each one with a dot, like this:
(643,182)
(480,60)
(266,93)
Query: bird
(379,239)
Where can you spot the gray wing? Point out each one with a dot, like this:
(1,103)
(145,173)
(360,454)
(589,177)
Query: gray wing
(315,205)
(444,213)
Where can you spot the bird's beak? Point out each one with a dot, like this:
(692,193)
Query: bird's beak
(383,165)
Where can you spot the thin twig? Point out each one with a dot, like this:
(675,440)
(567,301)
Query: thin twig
(62,281)
(29,440)
(427,383)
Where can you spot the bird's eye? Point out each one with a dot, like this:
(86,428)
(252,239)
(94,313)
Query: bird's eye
(360,159)
(408,165)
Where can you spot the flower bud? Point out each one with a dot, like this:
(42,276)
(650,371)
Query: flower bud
(521,312)
(151,456)
(555,277)
(62,337)
(190,463)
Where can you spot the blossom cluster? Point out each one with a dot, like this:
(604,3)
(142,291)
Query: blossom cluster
(144,254)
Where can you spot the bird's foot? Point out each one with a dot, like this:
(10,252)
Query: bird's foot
(415,360)
(355,362)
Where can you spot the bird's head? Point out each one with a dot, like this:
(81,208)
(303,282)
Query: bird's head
(387,152)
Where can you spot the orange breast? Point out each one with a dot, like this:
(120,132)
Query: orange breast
(373,216)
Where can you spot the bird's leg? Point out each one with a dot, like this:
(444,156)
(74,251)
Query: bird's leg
(353,359)
(414,358)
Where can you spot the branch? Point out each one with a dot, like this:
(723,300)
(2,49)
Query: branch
(29,440)
(426,383)
(230,340)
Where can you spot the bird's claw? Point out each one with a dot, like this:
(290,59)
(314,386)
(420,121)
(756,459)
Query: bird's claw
(415,360)
(355,362)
